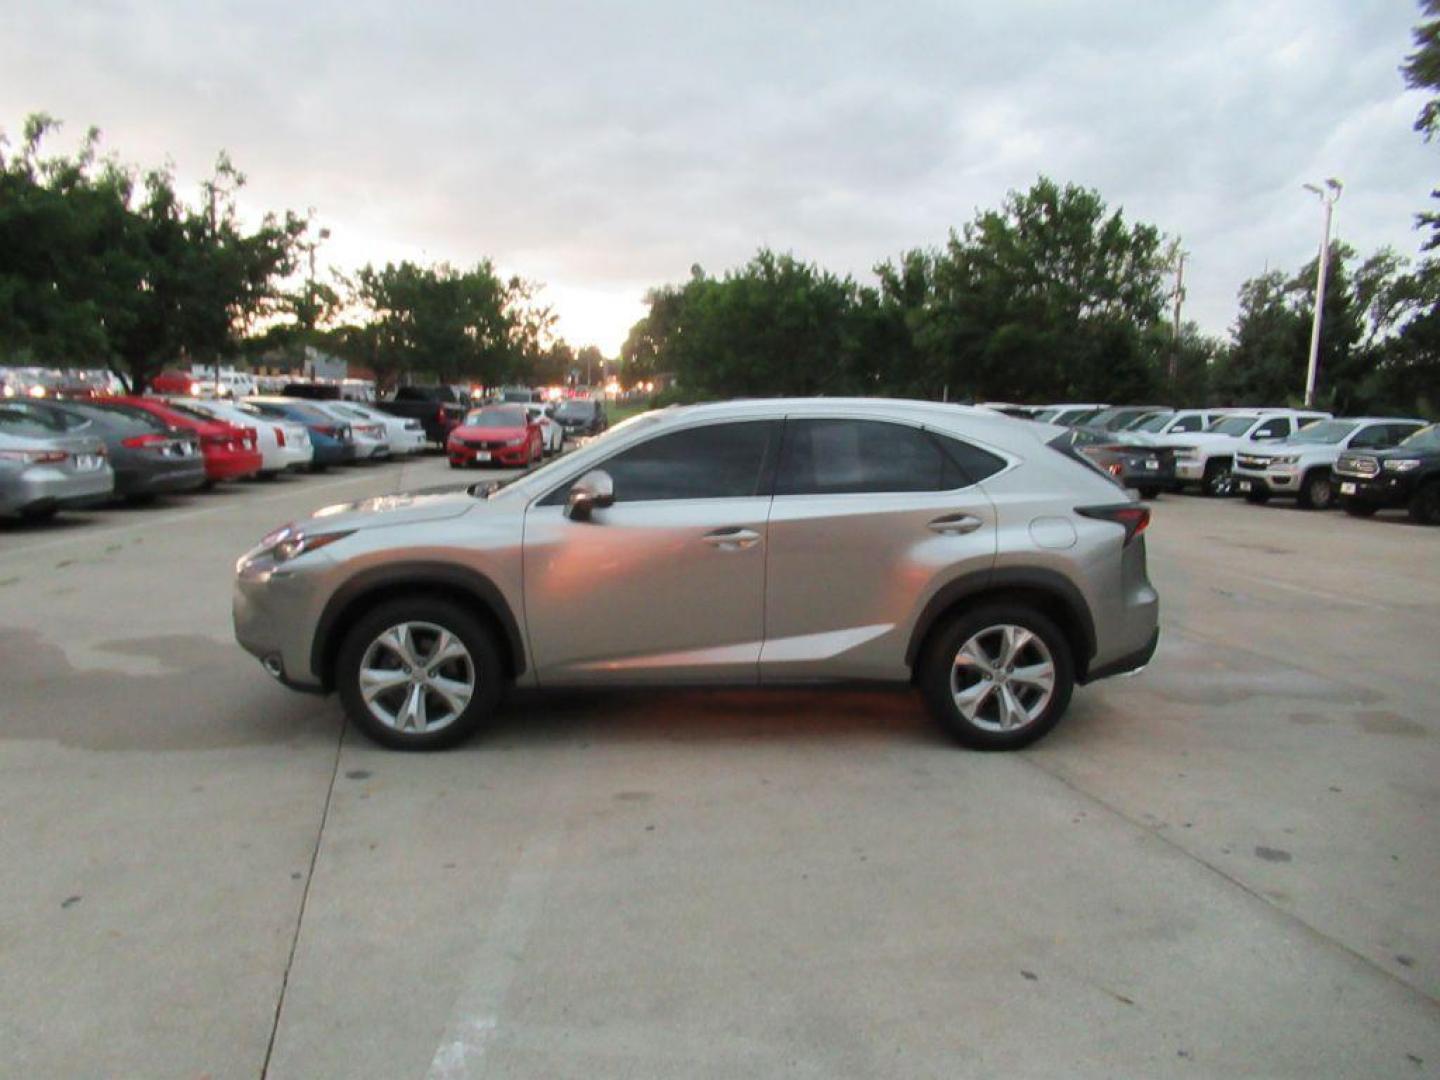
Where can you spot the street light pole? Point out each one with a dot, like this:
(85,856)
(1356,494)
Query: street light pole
(1181,256)
(1327,195)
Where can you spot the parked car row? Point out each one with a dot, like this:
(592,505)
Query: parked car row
(64,452)
(1362,463)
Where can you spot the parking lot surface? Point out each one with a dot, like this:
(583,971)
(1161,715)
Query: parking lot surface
(1224,866)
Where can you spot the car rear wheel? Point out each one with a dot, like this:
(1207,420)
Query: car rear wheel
(1257,495)
(998,678)
(1425,504)
(1317,492)
(419,674)
(1149,492)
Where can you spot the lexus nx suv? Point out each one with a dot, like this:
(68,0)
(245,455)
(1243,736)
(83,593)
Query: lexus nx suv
(744,543)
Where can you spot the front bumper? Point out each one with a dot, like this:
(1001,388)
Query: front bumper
(1383,490)
(468,455)
(1275,480)
(1191,470)
(274,618)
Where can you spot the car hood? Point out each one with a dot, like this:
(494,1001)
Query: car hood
(493,434)
(1397,452)
(390,510)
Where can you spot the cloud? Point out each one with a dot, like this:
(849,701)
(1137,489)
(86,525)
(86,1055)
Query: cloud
(604,148)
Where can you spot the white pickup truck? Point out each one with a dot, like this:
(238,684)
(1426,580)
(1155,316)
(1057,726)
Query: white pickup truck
(1205,458)
(1300,466)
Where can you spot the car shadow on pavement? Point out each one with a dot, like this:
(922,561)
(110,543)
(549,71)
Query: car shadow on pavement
(532,718)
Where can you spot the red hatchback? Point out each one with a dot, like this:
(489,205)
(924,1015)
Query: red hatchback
(230,451)
(496,434)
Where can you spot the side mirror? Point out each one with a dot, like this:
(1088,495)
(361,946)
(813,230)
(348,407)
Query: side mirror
(593,491)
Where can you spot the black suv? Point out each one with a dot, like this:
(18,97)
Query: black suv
(581,416)
(1408,476)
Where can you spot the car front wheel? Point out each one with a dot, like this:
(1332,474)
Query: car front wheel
(1219,481)
(1356,508)
(998,678)
(1317,493)
(421,674)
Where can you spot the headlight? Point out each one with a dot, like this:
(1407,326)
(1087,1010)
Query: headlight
(290,542)
(1402,464)
(1286,459)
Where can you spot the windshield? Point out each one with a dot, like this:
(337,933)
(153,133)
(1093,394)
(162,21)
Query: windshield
(496,418)
(1327,432)
(1233,425)
(1427,438)
(578,409)
(1154,422)
(14,421)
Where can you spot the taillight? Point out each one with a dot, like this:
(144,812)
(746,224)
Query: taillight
(144,442)
(219,442)
(1132,517)
(279,436)
(1115,469)
(34,457)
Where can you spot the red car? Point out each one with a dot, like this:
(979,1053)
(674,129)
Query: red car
(496,434)
(229,451)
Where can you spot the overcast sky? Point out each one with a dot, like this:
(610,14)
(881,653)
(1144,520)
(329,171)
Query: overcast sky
(605,148)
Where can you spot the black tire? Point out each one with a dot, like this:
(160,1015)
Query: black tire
(1356,508)
(1219,481)
(1257,496)
(456,465)
(1149,492)
(1425,504)
(938,665)
(484,655)
(140,498)
(39,513)
(1317,492)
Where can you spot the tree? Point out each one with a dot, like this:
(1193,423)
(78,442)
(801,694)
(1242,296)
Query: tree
(1050,297)
(444,322)
(775,326)
(90,276)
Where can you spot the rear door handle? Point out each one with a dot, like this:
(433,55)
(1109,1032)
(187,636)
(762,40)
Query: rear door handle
(956,524)
(733,538)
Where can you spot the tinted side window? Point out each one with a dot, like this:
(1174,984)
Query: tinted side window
(1189,423)
(971,464)
(1272,429)
(838,457)
(718,461)
(1372,436)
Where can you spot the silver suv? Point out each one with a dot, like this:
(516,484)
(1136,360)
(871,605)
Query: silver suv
(751,543)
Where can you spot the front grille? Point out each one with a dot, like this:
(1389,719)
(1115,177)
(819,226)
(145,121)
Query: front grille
(1251,461)
(1358,465)
(484,444)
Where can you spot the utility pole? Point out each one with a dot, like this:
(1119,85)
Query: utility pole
(1181,256)
(1327,196)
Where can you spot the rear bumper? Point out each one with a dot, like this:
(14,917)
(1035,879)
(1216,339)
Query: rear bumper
(43,486)
(333,453)
(229,465)
(176,476)
(1128,664)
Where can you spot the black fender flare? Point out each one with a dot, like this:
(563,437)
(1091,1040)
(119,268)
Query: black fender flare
(1029,579)
(421,575)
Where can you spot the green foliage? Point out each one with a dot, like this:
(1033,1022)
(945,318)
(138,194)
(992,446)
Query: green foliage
(1052,296)
(95,269)
(444,322)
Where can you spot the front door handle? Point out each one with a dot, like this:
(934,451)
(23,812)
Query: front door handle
(733,538)
(956,524)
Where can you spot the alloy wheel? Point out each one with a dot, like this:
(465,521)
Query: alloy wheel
(417,678)
(1003,678)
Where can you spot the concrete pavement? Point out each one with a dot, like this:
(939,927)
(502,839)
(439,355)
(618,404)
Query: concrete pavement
(1224,866)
